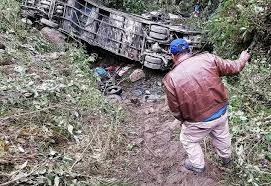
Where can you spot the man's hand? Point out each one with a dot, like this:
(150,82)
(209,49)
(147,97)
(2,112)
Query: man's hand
(245,56)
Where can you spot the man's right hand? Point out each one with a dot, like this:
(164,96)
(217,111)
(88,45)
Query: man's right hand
(245,56)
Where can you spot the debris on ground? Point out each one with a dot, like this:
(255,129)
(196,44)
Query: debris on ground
(111,76)
(129,84)
(151,98)
(117,90)
(122,71)
(27,21)
(101,72)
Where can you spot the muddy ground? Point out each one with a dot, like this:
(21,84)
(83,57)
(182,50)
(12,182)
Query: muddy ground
(158,156)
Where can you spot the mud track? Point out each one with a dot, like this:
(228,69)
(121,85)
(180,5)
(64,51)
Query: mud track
(157,156)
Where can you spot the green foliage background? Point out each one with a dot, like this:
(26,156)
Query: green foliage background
(236,25)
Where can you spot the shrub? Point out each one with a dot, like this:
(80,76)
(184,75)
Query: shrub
(236,25)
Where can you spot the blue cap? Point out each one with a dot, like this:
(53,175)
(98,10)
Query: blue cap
(178,46)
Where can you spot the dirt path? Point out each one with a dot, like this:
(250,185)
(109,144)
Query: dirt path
(157,156)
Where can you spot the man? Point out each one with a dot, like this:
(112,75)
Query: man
(198,98)
(197,9)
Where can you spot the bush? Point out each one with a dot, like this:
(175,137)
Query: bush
(236,25)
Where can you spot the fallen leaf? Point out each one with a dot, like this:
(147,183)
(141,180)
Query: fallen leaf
(20,167)
(70,129)
(21,149)
(56,181)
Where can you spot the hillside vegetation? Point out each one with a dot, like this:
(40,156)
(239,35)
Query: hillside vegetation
(56,128)
(236,26)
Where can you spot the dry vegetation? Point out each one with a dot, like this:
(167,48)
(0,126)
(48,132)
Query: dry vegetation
(56,129)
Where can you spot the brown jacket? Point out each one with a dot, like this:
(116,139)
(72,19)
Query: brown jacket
(194,88)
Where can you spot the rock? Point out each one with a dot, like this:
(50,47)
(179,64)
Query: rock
(11,31)
(159,83)
(55,55)
(21,140)
(149,110)
(27,21)
(20,69)
(173,16)
(147,92)
(21,149)
(146,112)
(28,94)
(2,46)
(54,36)
(151,98)
(137,75)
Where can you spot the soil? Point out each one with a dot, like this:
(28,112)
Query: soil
(157,156)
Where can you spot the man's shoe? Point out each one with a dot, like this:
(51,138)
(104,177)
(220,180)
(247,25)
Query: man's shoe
(189,166)
(226,161)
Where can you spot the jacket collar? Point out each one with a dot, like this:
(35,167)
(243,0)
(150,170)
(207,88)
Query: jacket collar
(182,58)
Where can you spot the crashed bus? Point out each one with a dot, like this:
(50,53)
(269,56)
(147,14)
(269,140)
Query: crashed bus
(131,36)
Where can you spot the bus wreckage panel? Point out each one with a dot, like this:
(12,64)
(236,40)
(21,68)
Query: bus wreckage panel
(130,36)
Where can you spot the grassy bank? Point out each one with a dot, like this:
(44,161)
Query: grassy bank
(56,128)
(250,98)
